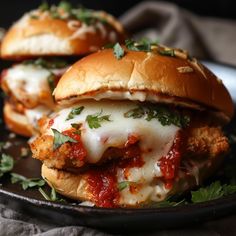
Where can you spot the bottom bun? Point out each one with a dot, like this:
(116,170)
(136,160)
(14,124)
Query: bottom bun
(67,184)
(76,186)
(16,122)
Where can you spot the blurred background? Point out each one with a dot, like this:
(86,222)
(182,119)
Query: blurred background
(11,10)
(207,29)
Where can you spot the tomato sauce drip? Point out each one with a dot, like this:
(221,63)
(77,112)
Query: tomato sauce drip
(102,184)
(169,164)
(50,123)
(77,150)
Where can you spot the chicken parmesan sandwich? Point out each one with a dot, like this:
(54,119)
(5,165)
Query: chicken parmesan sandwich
(52,37)
(138,124)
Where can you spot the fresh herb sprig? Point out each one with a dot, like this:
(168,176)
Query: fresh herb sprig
(64,11)
(53,197)
(94,121)
(53,63)
(142,45)
(164,115)
(74,112)
(60,139)
(118,51)
(213,191)
(6,164)
(26,182)
(123,185)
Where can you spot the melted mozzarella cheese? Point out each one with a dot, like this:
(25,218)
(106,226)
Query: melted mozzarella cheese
(155,142)
(27,80)
(28,83)
(155,139)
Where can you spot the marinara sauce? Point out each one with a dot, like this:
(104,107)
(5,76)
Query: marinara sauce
(77,150)
(102,182)
(169,164)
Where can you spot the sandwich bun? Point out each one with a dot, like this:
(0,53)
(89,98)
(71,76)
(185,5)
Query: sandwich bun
(143,76)
(37,33)
(16,122)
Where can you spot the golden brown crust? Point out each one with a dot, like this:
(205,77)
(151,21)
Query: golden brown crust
(156,76)
(15,44)
(69,185)
(16,122)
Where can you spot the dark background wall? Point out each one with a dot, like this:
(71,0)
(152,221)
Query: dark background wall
(10,10)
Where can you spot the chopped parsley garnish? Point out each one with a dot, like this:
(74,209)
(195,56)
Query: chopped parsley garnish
(169,203)
(74,112)
(122,185)
(118,51)
(64,11)
(51,82)
(94,121)
(26,182)
(54,63)
(142,45)
(213,191)
(52,197)
(170,52)
(6,164)
(60,139)
(44,6)
(65,6)
(164,115)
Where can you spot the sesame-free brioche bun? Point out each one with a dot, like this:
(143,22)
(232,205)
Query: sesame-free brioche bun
(47,36)
(144,76)
(16,121)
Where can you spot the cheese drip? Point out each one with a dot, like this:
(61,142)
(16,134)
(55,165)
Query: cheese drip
(155,139)
(29,83)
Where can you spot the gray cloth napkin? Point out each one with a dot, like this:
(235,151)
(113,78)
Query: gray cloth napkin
(206,38)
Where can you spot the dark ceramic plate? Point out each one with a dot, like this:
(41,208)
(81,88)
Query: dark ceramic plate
(32,203)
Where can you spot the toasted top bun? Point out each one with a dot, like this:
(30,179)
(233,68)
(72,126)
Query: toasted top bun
(144,76)
(38,33)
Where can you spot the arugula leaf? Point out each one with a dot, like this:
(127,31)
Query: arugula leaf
(6,164)
(60,139)
(164,115)
(26,182)
(74,112)
(94,121)
(53,195)
(118,51)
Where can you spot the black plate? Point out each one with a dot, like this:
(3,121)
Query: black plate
(31,202)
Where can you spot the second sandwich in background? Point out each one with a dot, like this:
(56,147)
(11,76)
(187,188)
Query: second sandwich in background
(46,41)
